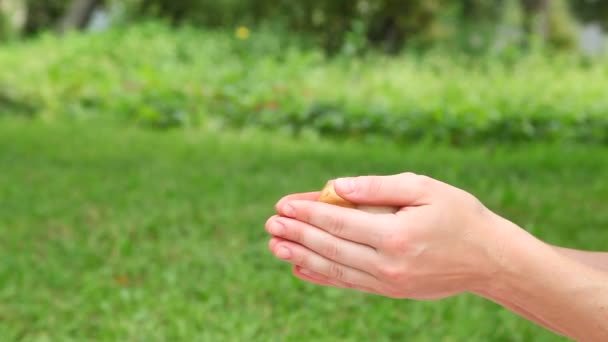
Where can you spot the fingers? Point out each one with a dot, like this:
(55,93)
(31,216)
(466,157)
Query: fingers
(345,252)
(273,242)
(320,279)
(307,259)
(305,274)
(306,196)
(405,189)
(316,278)
(345,223)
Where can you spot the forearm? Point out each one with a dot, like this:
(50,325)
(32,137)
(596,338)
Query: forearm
(537,282)
(597,260)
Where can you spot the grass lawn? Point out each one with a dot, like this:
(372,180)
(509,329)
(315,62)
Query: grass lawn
(113,233)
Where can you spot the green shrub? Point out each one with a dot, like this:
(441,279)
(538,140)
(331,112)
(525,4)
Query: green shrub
(164,78)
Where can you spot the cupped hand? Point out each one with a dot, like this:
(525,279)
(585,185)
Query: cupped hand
(442,241)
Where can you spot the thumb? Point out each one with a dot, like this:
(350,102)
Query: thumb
(403,189)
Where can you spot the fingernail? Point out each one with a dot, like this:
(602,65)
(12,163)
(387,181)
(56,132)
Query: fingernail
(283,253)
(288,210)
(346,185)
(276,227)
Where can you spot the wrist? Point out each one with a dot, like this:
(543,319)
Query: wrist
(507,249)
(537,282)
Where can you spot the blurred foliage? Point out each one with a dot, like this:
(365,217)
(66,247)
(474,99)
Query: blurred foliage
(5,28)
(12,104)
(385,24)
(356,26)
(163,77)
(561,25)
(43,15)
(592,11)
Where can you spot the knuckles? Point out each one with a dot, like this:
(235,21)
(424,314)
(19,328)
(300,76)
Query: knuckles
(330,250)
(302,210)
(300,259)
(425,181)
(392,273)
(395,243)
(408,175)
(335,225)
(418,181)
(373,187)
(336,271)
(293,232)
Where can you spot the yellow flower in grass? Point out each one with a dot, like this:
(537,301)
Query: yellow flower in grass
(242,32)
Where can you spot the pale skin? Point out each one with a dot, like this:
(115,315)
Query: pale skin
(442,242)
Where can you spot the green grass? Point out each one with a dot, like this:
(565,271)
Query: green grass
(111,233)
(164,77)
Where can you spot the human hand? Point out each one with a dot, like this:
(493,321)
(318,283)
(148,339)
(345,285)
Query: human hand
(441,242)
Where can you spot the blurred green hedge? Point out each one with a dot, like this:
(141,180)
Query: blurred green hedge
(162,77)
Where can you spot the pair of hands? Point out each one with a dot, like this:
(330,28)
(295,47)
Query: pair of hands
(441,242)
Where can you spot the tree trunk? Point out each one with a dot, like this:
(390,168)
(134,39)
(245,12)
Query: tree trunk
(537,9)
(78,14)
(544,20)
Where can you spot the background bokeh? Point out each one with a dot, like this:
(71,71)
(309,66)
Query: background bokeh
(143,144)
